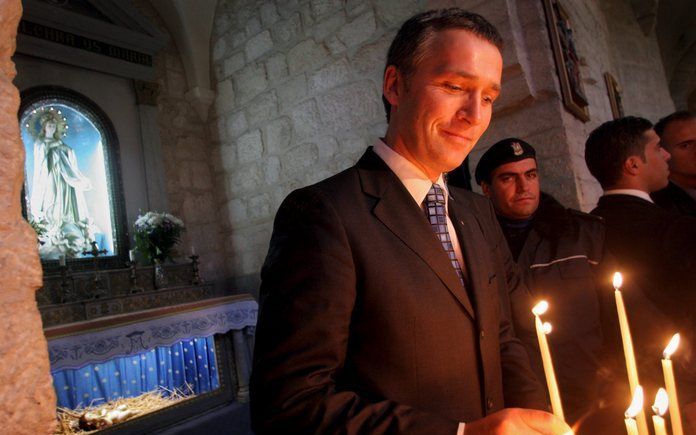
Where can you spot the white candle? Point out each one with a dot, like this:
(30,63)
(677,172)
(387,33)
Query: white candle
(670,384)
(633,410)
(61,260)
(542,329)
(131,255)
(193,250)
(631,426)
(631,368)
(659,408)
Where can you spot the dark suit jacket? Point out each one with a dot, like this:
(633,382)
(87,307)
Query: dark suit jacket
(364,326)
(674,198)
(656,250)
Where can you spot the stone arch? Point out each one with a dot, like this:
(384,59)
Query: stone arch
(28,400)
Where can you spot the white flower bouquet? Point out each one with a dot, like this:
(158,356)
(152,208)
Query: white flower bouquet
(156,234)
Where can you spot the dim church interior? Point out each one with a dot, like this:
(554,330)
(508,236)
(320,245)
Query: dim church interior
(219,108)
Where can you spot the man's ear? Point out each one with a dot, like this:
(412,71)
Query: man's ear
(632,165)
(486,189)
(391,85)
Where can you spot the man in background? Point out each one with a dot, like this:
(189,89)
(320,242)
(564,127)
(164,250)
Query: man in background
(678,136)
(653,247)
(563,261)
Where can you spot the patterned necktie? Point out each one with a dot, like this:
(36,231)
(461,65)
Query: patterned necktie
(437,216)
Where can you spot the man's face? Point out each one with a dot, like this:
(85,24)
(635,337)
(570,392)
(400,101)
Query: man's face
(514,189)
(679,139)
(654,170)
(443,107)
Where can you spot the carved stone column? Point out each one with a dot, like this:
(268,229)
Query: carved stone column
(242,362)
(146,97)
(28,402)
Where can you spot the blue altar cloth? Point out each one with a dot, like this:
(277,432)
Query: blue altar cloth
(128,355)
(188,366)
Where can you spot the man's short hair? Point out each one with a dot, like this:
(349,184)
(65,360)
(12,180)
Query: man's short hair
(406,50)
(682,115)
(611,144)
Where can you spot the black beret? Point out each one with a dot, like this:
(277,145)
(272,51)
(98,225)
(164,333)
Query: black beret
(505,151)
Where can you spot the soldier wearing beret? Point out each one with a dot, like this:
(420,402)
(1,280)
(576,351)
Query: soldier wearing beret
(561,254)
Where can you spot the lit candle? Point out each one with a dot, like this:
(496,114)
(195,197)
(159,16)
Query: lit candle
(630,357)
(61,260)
(633,410)
(131,255)
(659,408)
(674,414)
(542,329)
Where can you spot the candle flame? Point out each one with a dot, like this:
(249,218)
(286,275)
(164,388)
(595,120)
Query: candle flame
(546,327)
(671,347)
(661,402)
(618,280)
(540,308)
(636,403)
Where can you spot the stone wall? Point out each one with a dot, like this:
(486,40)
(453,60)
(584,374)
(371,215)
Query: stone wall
(299,85)
(186,150)
(609,39)
(27,399)
(530,106)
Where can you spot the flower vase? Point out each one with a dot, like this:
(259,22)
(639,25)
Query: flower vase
(160,277)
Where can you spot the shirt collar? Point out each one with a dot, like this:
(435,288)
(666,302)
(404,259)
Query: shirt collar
(415,180)
(632,192)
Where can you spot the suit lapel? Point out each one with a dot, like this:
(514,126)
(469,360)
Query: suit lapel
(471,241)
(397,210)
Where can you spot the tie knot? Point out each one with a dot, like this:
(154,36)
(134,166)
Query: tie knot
(436,194)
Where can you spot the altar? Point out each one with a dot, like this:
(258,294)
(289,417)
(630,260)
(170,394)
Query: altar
(200,348)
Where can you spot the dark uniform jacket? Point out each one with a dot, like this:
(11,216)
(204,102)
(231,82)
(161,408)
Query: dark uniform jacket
(674,198)
(656,251)
(563,261)
(364,325)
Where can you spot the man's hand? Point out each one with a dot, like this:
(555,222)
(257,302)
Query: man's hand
(518,421)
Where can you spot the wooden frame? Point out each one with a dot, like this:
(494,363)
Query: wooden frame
(567,59)
(614,91)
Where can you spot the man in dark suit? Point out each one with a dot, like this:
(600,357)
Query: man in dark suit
(381,309)
(678,136)
(654,247)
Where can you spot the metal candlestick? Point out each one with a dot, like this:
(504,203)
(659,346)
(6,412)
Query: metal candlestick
(135,288)
(194,265)
(95,252)
(66,293)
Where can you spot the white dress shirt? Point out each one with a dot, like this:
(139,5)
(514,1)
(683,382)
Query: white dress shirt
(418,185)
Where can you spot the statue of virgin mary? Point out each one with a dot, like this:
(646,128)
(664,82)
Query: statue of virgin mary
(56,196)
